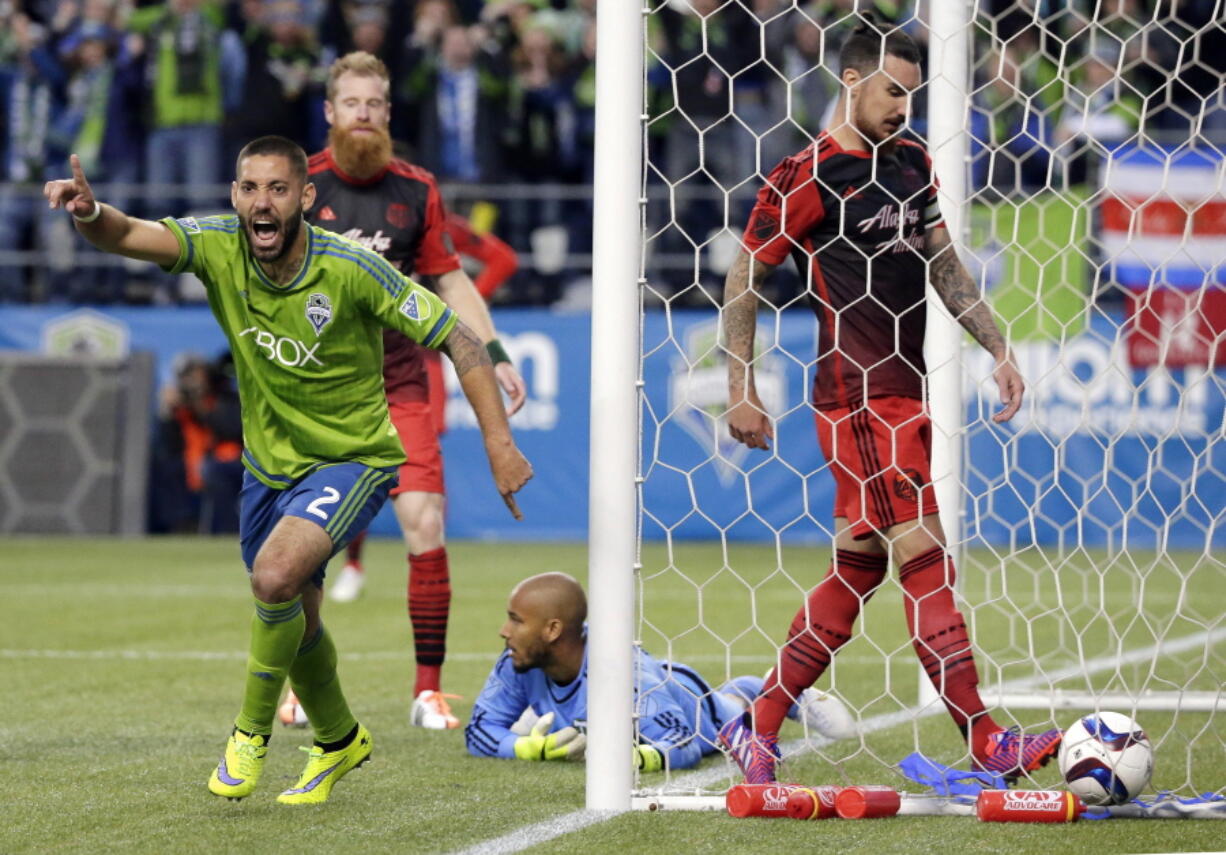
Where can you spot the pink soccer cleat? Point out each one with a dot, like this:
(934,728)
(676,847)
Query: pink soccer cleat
(1010,753)
(757,754)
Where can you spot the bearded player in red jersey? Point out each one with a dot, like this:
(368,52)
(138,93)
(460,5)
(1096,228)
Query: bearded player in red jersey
(857,210)
(394,208)
(498,261)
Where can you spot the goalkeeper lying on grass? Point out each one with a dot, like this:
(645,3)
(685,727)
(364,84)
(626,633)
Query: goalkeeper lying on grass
(534,704)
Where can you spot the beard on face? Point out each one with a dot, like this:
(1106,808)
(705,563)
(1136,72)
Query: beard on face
(532,656)
(288,229)
(360,155)
(883,137)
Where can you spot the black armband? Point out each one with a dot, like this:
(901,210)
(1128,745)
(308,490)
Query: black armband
(496,351)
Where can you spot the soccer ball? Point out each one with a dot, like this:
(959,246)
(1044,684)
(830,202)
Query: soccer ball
(1106,759)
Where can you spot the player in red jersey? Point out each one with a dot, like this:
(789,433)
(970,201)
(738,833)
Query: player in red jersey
(857,210)
(498,261)
(394,208)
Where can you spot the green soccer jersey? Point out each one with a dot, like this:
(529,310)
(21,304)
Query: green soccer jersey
(309,354)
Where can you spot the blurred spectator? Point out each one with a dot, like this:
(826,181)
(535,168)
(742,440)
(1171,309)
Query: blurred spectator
(583,84)
(182,43)
(430,19)
(703,49)
(506,20)
(543,132)
(197,467)
(375,26)
(367,26)
(26,105)
(99,122)
(806,88)
(453,101)
(275,76)
(543,146)
(1101,111)
(568,21)
(1189,46)
(1012,116)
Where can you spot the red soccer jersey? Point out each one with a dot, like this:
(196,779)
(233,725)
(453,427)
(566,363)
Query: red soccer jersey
(399,214)
(855,225)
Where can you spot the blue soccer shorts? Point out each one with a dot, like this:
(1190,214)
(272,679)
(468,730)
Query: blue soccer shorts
(341,498)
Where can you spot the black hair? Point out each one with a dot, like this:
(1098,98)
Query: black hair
(278,147)
(866,48)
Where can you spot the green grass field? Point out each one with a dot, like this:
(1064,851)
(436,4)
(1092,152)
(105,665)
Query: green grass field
(123,661)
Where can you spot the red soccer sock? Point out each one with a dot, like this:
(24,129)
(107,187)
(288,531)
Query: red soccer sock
(820,628)
(938,633)
(429,607)
(353,552)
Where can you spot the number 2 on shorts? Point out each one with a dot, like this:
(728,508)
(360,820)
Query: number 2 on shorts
(330,497)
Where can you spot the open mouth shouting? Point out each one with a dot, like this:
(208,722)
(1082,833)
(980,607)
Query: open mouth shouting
(265,234)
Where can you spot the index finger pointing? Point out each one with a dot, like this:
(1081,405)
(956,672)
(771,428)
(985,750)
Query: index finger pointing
(509,498)
(77,173)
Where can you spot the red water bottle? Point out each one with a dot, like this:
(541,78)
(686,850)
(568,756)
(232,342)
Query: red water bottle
(761,799)
(812,803)
(1028,806)
(868,802)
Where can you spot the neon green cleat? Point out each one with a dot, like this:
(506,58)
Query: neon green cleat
(325,768)
(239,769)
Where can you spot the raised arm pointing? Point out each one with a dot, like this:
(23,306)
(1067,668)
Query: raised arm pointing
(106,227)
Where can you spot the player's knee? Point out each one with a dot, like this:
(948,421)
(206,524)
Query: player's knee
(270,585)
(425,532)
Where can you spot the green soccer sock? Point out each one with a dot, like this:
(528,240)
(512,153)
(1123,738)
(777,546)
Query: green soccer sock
(276,632)
(315,681)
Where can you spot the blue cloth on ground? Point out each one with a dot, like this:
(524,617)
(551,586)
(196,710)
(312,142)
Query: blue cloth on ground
(947,781)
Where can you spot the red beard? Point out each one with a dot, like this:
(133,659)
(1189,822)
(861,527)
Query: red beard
(360,155)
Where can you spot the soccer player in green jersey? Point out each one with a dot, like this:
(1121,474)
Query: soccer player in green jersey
(302,309)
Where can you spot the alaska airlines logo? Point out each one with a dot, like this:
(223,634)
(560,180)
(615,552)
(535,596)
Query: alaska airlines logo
(899,219)
(284,350)
(319,311)
(379,242)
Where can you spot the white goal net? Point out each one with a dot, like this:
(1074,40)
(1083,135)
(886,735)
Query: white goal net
(1080,149)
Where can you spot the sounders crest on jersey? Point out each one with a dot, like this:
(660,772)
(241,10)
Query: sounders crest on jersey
(319,311)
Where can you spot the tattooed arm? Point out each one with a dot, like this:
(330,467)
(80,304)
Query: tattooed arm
(458,292)
(476,373)
(961,296)
(747,419)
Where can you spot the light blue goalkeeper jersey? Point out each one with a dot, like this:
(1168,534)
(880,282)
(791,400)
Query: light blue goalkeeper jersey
(679,714)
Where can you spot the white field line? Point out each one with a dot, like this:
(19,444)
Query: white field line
(541,832)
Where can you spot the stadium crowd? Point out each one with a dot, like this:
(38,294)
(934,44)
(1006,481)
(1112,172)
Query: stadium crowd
(497,98)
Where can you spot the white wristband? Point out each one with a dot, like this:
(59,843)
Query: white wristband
(93,215)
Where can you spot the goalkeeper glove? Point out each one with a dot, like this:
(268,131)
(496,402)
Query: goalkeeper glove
(648,759)
(567,744)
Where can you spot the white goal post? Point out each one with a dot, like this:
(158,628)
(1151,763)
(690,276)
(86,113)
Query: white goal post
(1089,535)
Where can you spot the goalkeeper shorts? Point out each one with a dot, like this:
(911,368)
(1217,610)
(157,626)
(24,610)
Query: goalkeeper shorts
(880,454)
